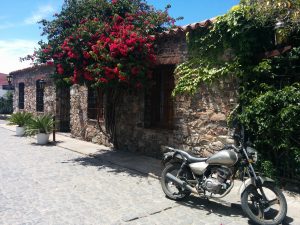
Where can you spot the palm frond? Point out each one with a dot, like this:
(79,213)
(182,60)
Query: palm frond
(39,124)
(20,118)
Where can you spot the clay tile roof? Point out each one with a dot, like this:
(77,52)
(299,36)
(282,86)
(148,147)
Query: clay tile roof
(186,28)
(3,79)
(30,69)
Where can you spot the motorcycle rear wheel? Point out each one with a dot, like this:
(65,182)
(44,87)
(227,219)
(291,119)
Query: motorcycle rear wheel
(174,191)
(270,212)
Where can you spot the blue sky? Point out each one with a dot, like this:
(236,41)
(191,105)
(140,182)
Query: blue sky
(19,31)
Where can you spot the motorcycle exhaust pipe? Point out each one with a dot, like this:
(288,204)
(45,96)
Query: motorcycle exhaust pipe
(183,184)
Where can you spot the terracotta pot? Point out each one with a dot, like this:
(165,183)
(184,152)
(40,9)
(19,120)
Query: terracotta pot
(20,131)
(42,138)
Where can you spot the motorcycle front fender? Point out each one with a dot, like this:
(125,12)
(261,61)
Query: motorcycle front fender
(251,181)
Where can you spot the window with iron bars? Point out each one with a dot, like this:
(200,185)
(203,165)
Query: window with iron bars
(39,97)
(95,104)
(21,95)
(159,112)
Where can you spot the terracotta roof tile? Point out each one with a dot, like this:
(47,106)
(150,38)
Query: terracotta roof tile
(186,28)
(30,69)
(3,80)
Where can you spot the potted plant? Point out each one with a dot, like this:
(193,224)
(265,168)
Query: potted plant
(20,119)
(41,126)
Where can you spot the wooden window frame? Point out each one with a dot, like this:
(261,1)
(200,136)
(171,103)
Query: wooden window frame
(159,104)
(21,100)
(39,97)
(95,104)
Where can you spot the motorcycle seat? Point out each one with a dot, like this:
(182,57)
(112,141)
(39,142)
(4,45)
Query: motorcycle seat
(190,158)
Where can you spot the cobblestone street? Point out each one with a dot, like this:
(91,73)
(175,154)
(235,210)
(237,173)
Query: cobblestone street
(51,185)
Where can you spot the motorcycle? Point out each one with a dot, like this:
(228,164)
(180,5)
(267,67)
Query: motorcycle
(183,174)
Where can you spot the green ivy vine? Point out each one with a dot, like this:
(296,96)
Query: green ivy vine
(235,44)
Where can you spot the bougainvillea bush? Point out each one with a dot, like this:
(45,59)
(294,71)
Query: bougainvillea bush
(104,43)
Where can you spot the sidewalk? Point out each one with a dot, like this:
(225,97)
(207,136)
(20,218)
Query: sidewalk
(145,165)
(151,167)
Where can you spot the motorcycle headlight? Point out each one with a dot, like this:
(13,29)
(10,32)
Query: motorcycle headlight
(252,154)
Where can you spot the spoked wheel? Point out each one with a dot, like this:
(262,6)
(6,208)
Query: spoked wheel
(172,190)
(268,211)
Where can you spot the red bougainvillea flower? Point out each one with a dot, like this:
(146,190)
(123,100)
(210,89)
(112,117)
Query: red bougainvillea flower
(103,80)
(87,75)
(110,50)
(60,69)
(50,63)
(86,55)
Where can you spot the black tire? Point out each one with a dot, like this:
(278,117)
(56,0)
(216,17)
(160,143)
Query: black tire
(262,212)
(179,193)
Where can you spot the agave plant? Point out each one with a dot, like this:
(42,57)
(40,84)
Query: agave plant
(20,118)
(39,124)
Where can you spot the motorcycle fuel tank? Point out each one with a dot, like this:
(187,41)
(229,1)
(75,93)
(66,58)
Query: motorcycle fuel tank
(224,157)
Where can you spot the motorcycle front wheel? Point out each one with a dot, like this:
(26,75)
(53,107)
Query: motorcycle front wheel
(265,211)
(172,190)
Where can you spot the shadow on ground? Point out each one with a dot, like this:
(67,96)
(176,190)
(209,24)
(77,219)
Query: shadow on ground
(216,207)
(140,166)
(49,144)
(101,162)
(220,208)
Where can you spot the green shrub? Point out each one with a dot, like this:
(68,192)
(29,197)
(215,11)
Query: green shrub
(39,124)
(6,103)
(20,119)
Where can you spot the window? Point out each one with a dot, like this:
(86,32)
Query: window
(95,104)
(158,100)
(39,97)
(21,95)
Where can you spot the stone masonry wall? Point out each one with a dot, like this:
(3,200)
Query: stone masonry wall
(171,49)
(29,77)
(81,126)
(200,124)
(199,121)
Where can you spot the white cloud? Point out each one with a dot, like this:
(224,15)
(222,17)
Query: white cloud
(11,51)
(41,13)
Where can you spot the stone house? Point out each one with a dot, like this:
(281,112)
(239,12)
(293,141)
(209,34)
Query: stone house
(145,120)
(29,97)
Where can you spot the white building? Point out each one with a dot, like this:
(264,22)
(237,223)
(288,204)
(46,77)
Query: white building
(3,81)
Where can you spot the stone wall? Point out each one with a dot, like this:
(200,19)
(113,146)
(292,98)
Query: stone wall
(81,126)
(171,49)
(29,77)
(200,124)
(199,121)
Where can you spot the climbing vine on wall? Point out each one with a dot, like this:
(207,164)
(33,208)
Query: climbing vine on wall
(235,44)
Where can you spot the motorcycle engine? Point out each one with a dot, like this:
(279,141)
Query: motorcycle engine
(216,182)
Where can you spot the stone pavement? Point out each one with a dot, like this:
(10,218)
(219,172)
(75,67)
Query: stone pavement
(93,185)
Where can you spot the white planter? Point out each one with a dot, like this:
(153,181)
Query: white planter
(42,138)
(20,131)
